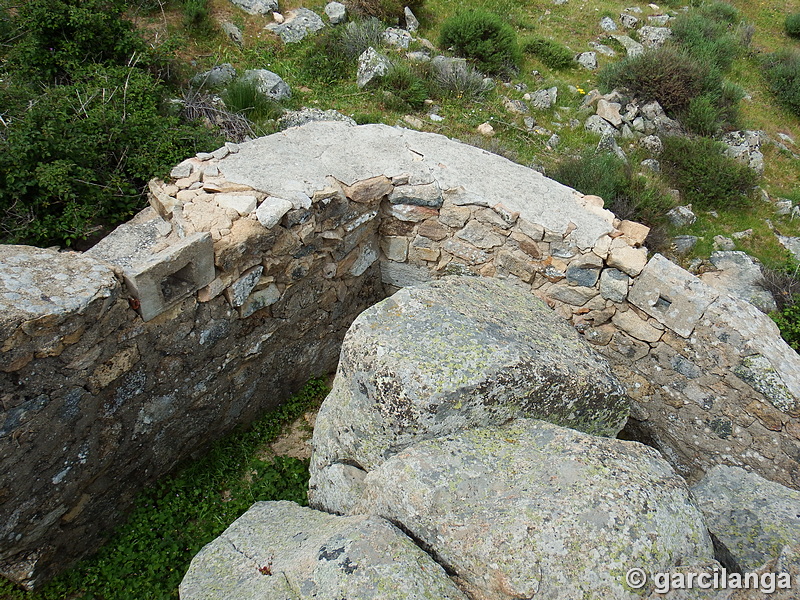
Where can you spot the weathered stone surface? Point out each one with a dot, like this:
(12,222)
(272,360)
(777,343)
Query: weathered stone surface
(271,211)
(609,111)
(241,203)
(754,518)
(412,23)
(681,216)
(419,195)
(295,118)
(739,275)
(671,295)
(257,7)
(281,550)
(269,164)
(588,60)
(268,83)
(336,12)
(631,324)
(297,24)
(614,285)
(632,47)
(432,359)
(393,36)
(600,126)
(627,259)
(218,76)
(371,64)
(544,99)
(533,510)
(369,190)
(654,37)
(745,147)
(480,236)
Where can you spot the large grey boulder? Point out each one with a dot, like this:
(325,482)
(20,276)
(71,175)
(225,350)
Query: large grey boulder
(297,24)
(450,355)
(752,516)
(533,510)
(268,83)
(337,12)
(739,275)
(371,65)
(282,551)
(217,76)
(256,7)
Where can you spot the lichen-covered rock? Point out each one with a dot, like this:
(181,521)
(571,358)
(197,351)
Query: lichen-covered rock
(752,516)
(533,510)
(454,354)
(282,551)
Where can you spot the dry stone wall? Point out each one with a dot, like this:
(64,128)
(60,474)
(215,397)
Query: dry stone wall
(239,283)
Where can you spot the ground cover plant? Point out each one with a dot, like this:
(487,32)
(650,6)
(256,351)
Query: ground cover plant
(483,36)
(148,556)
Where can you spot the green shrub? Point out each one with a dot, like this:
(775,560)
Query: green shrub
(458,81)
(708,34)
(484,37)
(627,194)
(792,25)
(406,90)
(390,11)
(81,154)
(782,70)
(196,16)
(705,176)
(243,97)
(553,54)
(788,321)
(665,74)
(62,35)
(702,116)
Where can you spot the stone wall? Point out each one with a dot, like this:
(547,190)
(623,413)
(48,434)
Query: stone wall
(239,282)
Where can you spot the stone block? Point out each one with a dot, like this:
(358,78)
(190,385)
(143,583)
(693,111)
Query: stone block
(260,299)
(241,288)
(171,275)
(369,190)
(243,204)
(673,296)
(629,322)
(627,259)
(403,275)
(635,232)
(271,211)
(417,195)
(395,247)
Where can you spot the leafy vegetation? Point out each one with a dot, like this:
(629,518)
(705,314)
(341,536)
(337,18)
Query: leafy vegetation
(149,554)
(705,176)
(405,89)
(552,53)
(484,37)
(782,71)
(792,25)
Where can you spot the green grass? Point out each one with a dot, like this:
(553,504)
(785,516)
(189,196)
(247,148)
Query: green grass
(147,556)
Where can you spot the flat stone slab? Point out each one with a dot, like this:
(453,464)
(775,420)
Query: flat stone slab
(456,353)
(35,283)
(754,517)
(533,510)
(299,159)
(282,551)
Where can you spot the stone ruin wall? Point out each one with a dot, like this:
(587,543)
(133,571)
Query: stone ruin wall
(213,305)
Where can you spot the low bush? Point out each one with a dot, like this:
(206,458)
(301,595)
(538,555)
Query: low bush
(782,71)
(666,74)
(484,37)
(627,194)
(553,54)
(792,25)
(783,282)
(390,11)
(79,155)
(705,176)
(59,36)
(708,35)
(243,97)
(458,81)
(196,17)
(406,90)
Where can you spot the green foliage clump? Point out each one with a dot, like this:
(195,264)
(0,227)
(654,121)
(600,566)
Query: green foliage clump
(708,34)
(484,37)
(667,75)
(390,11)
(792,25)
(788,321)
(196,17)
(242,96)
(79,154)
(627,194)
(705,176)
(459,81)
(553,54)
(59,36)
(782,70)
(405,90)
(149,554)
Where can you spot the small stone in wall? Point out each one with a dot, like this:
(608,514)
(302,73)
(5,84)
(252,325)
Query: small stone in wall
(243,204)
(627,259)
(271,211)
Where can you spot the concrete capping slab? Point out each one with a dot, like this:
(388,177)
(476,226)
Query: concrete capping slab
(168,277)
